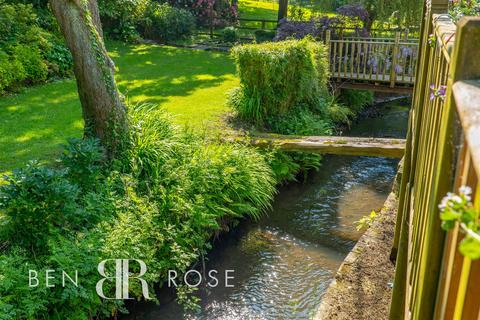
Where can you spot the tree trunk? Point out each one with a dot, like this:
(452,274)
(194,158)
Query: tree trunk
(282,9)
(104,110)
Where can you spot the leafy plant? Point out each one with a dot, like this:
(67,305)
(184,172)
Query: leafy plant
(460,8)
(458,208)
(161,202)
(230,34)
(37,202)
(366,221)
(166,23)
(264,35)
(276,77)
(120,17)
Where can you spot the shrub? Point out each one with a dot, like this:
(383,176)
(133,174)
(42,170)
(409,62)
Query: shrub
(161,202)
(58,58)
(230,34)
(300,121)
(37,201)
(275,77)
(339,114)
(11,72)
(218,13)
(35,68)
(166,23)
(119,17)
(315,27)
(264,35)
(356,100)
(28,54)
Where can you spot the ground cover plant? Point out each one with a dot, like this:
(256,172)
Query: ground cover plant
(160,200)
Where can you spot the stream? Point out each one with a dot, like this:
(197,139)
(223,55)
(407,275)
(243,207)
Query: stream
(284,263)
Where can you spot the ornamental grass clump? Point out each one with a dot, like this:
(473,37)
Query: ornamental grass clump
(277,77)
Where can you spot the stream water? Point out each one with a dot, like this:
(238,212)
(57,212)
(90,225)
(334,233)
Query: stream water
(284,263)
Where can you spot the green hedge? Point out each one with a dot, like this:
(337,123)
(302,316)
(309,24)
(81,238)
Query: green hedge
(278,76)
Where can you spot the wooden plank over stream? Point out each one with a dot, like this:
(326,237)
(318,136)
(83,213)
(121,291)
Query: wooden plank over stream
(354,146)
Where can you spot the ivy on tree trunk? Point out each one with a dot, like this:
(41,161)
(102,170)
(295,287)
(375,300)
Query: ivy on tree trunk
(104,110)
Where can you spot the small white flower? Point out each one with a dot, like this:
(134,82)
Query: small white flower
(443,205)
(465,190)
(456,199)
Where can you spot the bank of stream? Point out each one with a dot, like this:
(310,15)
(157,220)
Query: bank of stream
(283,264)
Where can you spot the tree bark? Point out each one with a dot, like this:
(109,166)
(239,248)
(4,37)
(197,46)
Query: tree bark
(282,9)
(103,108)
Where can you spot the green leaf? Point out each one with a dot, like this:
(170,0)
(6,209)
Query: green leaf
(470,248)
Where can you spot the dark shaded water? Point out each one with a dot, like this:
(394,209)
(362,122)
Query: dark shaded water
(284,263)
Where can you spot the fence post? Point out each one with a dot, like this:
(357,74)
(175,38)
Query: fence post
(263,24)
(328,36)
(393,73)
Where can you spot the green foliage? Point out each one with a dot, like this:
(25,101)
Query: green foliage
(28,54)
(120,17)
(458,209)
(339,114)
(366,221)
(461,8)
(356,100)
(37,202)
(11,72)
(300,121)
(160,202)
(288,166)
(166,23)
(83,158)
(58,58)
(264,35)
(230,34)
(276,77)
(32,62)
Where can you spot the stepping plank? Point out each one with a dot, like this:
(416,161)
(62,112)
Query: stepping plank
(354,146)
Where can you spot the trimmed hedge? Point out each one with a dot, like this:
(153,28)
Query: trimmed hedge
(276,77)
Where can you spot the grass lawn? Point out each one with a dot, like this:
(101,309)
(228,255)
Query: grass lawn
(192,84)
(261,10)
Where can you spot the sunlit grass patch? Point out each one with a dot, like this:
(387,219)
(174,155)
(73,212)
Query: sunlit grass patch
(191,84)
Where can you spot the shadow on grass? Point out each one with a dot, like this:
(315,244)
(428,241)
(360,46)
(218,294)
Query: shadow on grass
(189,83)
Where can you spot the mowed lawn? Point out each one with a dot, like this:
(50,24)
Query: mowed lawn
(261,10)
(192,84)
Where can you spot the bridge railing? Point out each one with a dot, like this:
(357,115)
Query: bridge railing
(433,279)
(380,60)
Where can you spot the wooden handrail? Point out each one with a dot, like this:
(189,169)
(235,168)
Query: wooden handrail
(373,60)
(433,280)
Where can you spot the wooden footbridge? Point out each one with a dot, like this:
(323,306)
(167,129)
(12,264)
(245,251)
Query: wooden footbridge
(380,64)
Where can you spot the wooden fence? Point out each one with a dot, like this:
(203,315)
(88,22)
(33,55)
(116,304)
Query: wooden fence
(257,24)
(433,280)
